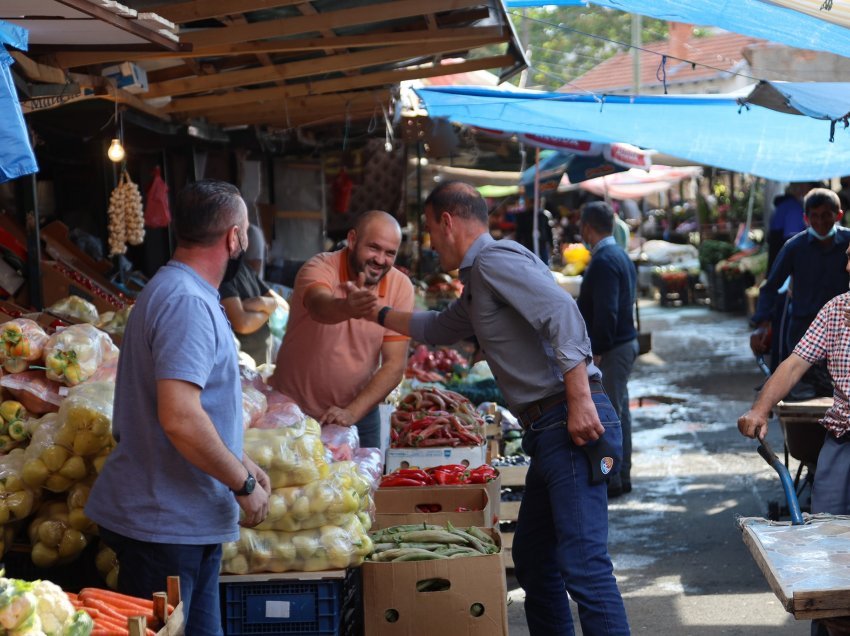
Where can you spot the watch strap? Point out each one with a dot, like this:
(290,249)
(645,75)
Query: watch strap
(382,314)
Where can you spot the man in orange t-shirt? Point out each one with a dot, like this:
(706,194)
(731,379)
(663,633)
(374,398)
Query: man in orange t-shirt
(336,367)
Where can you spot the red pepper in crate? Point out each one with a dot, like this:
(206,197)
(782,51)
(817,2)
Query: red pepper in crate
(393,481)
(482,474)
(449,474)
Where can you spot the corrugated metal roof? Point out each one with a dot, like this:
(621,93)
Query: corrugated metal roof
(723,51)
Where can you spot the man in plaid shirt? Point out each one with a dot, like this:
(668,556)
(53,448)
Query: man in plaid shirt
(828,338)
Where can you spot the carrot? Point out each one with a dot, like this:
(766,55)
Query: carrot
(106,610)
(108,596)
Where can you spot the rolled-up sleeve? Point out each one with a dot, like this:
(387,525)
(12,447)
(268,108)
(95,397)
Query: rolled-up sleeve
(531,290)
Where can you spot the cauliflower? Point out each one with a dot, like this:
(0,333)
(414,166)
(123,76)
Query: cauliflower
(40,608)
(17,604)
(54,608)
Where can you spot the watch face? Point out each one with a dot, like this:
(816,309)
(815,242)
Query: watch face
(250,484)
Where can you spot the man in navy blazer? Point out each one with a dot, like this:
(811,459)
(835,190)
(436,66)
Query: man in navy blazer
(606,302)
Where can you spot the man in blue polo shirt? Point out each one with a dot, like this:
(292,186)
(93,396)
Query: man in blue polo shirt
(170,493)
(815,260)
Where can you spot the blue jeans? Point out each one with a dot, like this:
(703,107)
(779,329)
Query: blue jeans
(145,568)
(561,538)
(369,429)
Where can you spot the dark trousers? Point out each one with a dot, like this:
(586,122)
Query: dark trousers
(144,568)
(369,429)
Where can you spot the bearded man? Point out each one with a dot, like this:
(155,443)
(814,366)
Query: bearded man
(335,366)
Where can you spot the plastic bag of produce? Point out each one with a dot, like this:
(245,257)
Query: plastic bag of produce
(289,458)
(32,389)
(76,308)
(254,404)
(370,463)
(85,419)
(22,341)
(325,548)
(48,464)
(78,495)
(106,562)
(114,322)
(54,541)
(17,499)
(319,503)
(341,441)
(281,413)
(75,353)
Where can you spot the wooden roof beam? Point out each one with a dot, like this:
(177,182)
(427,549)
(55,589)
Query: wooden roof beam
(330,20)
(305,68)
(383,78)
(71,59)
(183,12)
(125,24)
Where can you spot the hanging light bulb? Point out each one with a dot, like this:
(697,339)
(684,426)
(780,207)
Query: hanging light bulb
(116,151)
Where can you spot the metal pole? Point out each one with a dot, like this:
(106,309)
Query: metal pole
(419,210)
(29,199)
(535,231)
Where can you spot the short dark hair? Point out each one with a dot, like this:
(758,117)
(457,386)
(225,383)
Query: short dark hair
(598,215)
(458,199)
(205,210)
(821,196)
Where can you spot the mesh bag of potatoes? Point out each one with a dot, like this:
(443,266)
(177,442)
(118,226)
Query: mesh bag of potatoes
(49,464)
(54,541)
(85,419)
(290,456)
(18,500)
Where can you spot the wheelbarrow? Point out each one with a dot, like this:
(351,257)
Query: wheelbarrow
(812,603)
(803,439)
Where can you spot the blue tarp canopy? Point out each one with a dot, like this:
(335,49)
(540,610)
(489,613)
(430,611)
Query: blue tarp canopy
(756,18)
(821,100)
(16,156)
(714,130)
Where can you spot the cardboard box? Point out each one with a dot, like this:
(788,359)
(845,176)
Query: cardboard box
(398,506)
(129,76)
(472,456)
(394,607)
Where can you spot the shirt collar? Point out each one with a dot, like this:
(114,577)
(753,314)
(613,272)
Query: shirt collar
(345,273)
(474,250)
(608,240)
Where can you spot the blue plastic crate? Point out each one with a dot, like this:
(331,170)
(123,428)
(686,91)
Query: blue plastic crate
(282,607)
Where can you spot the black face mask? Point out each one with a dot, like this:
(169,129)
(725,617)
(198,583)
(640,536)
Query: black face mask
(233,264)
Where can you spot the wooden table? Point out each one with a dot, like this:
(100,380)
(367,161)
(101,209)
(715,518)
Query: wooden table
(807,566)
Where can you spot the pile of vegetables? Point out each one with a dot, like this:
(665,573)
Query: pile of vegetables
(427,542)
(75,307)
(446,475)
(111,610)
(435,417)
(325,548)
(40,608)
(426,365)
(319,513)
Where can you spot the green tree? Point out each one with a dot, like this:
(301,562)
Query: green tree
(566,42)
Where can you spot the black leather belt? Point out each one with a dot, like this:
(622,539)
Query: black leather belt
(533,412)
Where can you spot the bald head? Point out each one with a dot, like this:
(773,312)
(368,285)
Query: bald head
(379,217)
(373,245)
(459,199)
